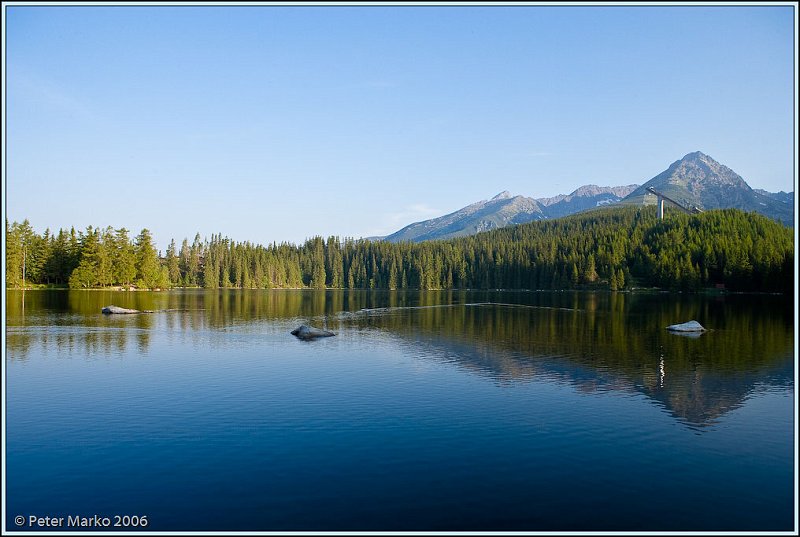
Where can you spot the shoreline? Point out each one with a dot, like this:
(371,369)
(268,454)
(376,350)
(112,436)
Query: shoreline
(637,290)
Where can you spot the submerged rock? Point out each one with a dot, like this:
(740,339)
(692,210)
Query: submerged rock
(309,332)
(108,310)
(689,326)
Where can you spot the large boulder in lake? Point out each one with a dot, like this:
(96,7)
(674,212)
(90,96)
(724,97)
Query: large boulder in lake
(309,332)
(689,326)
(110,310)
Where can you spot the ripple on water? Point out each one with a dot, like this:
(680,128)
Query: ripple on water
(474,416)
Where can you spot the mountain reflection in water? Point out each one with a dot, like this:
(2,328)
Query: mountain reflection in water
(595,342)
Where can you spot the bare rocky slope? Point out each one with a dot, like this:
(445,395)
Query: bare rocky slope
(505,209)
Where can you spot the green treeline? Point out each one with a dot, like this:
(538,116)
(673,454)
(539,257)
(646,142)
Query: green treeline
(611,248)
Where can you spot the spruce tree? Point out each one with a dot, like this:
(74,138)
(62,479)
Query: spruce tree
(148,270)
(173,265)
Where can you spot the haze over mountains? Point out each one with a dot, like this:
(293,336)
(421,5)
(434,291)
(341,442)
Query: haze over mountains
(695,180)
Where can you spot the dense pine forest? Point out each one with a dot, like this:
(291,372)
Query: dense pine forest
(613,249)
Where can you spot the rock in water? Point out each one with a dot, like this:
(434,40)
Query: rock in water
(690,326)
(309,332)
(108,310)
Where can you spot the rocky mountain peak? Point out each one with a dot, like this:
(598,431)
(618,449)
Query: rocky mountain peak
(697,167)
(699,180)
(504,195)
(698,155)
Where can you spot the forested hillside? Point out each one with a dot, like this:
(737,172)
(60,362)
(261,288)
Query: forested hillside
(612,248)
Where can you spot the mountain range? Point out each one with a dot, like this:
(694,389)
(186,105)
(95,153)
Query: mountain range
(585,197)
(696,180)
(505,209)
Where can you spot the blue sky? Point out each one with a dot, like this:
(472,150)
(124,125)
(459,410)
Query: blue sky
(268,123)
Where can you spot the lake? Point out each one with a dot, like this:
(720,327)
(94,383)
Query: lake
(428,411)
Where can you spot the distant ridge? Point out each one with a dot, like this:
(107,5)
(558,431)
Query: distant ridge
(500,211)
(589,191)
(783,197)
(504,209)
(584,198)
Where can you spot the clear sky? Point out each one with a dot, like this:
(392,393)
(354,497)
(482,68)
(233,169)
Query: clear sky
(268,123)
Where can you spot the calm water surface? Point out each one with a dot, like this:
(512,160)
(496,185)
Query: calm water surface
(427,411)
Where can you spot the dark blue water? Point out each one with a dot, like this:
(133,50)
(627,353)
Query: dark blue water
(427,411)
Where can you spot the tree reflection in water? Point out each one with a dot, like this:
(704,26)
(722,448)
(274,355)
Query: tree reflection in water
(594,341)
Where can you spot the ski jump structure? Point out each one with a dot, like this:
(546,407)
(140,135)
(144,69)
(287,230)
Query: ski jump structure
(662,198)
